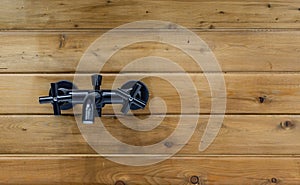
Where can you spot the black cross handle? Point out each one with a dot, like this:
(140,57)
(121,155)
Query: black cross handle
(58,101)
(131,99)
(54,91)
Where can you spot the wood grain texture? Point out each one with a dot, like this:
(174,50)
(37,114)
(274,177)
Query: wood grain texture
(239,135)
(246,93)
(178,170)
(25,52)
(63,14)
(43,41)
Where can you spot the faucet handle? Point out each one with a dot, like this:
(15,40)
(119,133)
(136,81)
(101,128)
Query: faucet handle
(55,104)
(96,81)
(59,96)
(135,95)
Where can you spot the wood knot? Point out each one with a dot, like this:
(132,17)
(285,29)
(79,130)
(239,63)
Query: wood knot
(120,183)
(269,5)
(287,125)
(211,26)
(274,180)
(62,41)
(262,99)
(168,144)
(194,179)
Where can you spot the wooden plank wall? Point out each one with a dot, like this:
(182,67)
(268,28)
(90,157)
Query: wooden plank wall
(256,42)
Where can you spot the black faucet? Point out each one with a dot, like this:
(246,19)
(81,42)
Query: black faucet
(133,95)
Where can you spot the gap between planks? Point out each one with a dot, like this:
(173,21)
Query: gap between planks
(180,156)
(80,30)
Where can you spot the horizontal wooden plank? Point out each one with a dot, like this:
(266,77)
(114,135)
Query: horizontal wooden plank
(96,170)
(246,93)
(62,14)
(235,51)
(239,135)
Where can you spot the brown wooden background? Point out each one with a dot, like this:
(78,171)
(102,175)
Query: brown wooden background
(257,43)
